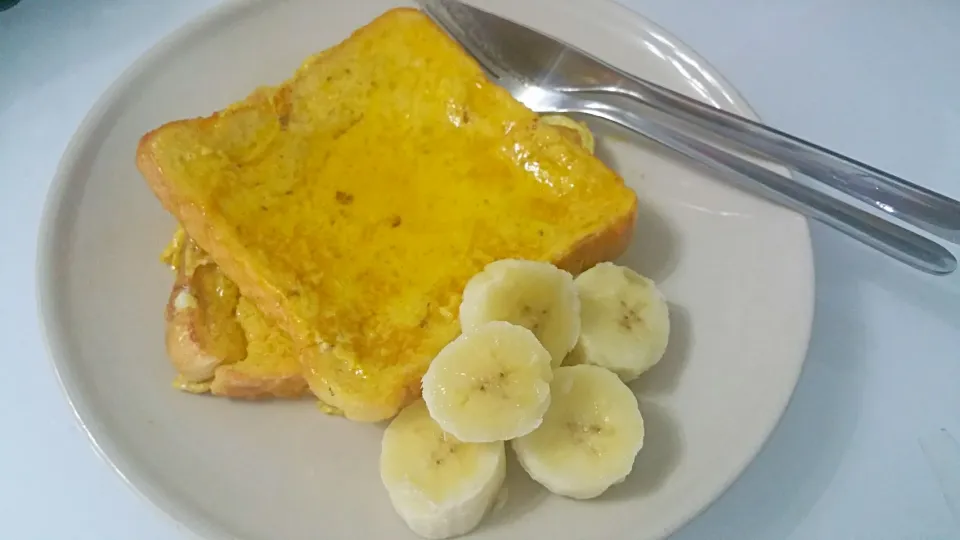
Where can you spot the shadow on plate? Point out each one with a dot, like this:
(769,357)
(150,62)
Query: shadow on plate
(603,134)
(654,251)
(778,490)
(523,495)
(664,377)
(657,459)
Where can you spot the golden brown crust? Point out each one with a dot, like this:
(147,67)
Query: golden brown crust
(221,371)
(324,386)
(193,221)
(221,251)
(233,382)
(197,362)
(603,245)
(194,357)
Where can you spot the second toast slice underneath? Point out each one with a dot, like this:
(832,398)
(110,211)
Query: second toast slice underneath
(353,202)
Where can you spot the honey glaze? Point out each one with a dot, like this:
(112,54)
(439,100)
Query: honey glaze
(367,191)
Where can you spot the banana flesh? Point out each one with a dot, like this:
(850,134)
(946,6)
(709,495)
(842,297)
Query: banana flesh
(625,321)
(492,384)
(440,486)
(535,295)
(589,438)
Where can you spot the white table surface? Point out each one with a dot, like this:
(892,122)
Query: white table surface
(867,449)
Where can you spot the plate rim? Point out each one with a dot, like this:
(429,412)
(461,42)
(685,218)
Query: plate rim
(52,327)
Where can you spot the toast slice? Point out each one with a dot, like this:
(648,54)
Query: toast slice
(221,344)
(219,341)
(353,202)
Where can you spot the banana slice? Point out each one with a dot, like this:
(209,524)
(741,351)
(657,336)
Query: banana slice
(535,295)
(625,322)
(441,487)
(492,384)
(589,438)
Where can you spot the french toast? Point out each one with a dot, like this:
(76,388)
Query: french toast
(352,202)
(218,341)
(205,322)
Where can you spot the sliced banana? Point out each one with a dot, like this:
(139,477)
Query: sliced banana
(625,321)
(535,295)
(491,384)
(589,438)
(440,486)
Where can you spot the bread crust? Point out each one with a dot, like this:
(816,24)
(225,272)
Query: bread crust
(232,382)
(197,360)
(193,359)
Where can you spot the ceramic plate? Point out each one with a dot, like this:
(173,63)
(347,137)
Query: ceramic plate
(737,271)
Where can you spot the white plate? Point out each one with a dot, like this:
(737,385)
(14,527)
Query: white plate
(737,271)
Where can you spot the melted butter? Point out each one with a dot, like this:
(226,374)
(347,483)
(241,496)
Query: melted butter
(217,298)
(367,191)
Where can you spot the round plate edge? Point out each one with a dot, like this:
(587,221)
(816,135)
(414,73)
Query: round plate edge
(55,200)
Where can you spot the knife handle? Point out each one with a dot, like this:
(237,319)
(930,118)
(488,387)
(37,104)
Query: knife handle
(927,210)
(879,233)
